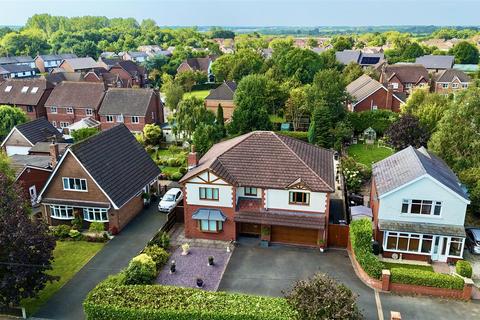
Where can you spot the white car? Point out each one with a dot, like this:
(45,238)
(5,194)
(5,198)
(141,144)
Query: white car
(170,200)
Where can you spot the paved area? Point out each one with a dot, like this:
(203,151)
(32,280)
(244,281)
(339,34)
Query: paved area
(67,302)
(271,271)
(177,238)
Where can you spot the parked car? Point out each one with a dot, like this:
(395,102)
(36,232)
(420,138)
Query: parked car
(170,200)
(473,240)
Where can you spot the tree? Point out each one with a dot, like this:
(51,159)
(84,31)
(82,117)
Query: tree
(152,134)
(187,79)
(302,64)
(321,297)
(470,178)
(222,67)
(220,122)
(204,137)
(328,89)
(296,107)
(191,113)
(236,66)
(407,131)
(379,120)
(465,53)
(312,42)
(9,118)
(412,51)
(5,166)
(342,134)
(252,100)
(321,127)
(26,248)
(342,43)
(173,92)
(352,72)
(84,133)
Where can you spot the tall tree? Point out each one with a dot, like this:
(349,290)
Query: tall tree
(191,113)
(352,72)
(328,89)
(204,137)
(296,107)
(321,127)
(465,52)
(173,92)
(220,122)
(236,66)
(26,248)
(5,166)
(301,64)
(407,131)
(9,118)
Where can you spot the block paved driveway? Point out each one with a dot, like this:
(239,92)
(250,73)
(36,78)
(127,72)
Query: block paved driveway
(270,271)
(67,302)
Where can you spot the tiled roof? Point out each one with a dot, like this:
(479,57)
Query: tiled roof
(44,147)
(39,130)
(124,101)
(449,74)
(77,94)
(364,86)
(199,64)
(131,67)
(16,96)
(436,61)
(61,56)
(117,162)
(15,59)
(347,56)
(81,63)
(20,161)
(12,68)
(223,92)
(406,72)
(267,160)
(410,164)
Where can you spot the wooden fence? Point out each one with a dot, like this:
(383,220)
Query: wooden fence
(338,235)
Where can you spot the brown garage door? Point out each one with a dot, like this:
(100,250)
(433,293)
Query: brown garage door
(294,235)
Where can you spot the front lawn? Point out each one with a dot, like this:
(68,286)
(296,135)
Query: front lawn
(69,258)
(202,94)
(390,265)
(368,154)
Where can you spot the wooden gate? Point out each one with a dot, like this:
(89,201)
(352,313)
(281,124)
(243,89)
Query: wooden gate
(338,235)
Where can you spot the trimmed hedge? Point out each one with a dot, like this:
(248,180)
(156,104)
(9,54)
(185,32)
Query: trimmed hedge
(464,268)
(300,135)
(425,278)
(361,239)
(155,302)
(158,255)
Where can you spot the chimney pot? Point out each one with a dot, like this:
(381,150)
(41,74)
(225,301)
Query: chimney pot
(192,159)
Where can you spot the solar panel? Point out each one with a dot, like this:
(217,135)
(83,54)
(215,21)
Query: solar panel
(370,60)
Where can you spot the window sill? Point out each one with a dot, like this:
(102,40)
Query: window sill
(88,220)
(75,190)
(62,218)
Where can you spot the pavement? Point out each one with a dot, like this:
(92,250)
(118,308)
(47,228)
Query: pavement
(67,302)
(272,271)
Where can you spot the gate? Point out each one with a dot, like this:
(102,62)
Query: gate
(338,235)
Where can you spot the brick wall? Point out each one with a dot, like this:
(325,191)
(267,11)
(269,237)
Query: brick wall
(227,105)
(62,115)
(120,218)
(228,233)
(381,100)
(35,177)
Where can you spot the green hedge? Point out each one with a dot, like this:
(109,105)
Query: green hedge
(361,239)
(464,268)
(149,302)
(300,135)
(425,278)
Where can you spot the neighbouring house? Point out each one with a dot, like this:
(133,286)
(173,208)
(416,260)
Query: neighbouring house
(83,124)
(266,53)
(260,184)
(134,107)
(441,44)
(29,95)
(82,65)
(198,64)
(222,95)
(369,94)
(418,207)
(48,62)
(57,77)
(10,71)
(451,80)
(42,148)
(100,179)
(130,74)
(24,136)
(18,60)
(364,59)
(71,101)
(108,62)
(436,63)
(110,80)
(135,56)
(403,77)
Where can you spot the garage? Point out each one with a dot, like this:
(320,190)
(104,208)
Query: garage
(293,235)
(250,229)
(11,150)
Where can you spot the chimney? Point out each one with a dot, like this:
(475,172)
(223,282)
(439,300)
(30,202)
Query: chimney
(53,154)
(389,102)
(192,159)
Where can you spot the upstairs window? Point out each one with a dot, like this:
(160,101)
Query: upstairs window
(8,88)
(89,112)
(53,109)
(297,197)
(75,184)
(120,118)
(454,85)
(109,118)
(25,89)
(445,86)
(208,193)
(250,191)
(135,119)
(70,110)
(422,207)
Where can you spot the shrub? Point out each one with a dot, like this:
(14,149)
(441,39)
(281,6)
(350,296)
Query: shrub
(172,162)
(176,176)
(158,255)
(74,234)
(96,227)
(161,239)
(141,270)
(61,231)
(361,239)
(77,223)
(300,135)
(182,170)
(158,302)
(464,268)
(426,278)
(115,279)
(321,297)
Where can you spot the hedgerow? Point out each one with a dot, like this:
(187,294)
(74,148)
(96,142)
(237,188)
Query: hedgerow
(426,278)
(361,240)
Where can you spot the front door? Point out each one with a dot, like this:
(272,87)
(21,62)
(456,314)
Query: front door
(33,194)
(440,249)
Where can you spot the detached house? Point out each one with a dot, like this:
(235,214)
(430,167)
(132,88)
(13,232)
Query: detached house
(133,107)
(364,59)
(99,179)
(48,62)
(135,56)
(451,80)
(82,65)
(222,95)
(130,74)
(369,94)
(436,63)
(404,77)
(418,207)
(198,64)
(260,183)
(29,95)
(72,101)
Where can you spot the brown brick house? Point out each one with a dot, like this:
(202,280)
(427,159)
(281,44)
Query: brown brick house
(133,107)
(403,77)
(222,95)
(369,94)
(130,74)
(260,181)
(82,65)
(198,64)
(28,94)
(99,179)
(451,80)
(48,62)
(72,101)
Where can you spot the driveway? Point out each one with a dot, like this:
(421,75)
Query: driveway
(270,271)
(67,302)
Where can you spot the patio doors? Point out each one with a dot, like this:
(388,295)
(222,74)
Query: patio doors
(440,249)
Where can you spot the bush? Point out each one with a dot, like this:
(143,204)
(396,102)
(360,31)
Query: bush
(426,278)
(77,223)
(96,227)
(176,176)
(321,297)
(182,170)
(74,234)
(173,162)
(115,279)
(158,255)
(161,239)
(61,231)
(464,268)
(141,270)
(158,302)
(361,240)
(300,135)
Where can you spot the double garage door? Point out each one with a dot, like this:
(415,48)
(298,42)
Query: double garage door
(292,235)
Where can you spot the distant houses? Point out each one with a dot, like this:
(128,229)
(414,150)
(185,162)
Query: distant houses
(222,95)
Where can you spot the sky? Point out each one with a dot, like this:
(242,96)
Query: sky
(257,12)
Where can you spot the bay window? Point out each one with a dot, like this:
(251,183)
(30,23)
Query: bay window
(95,214)
(210,225)
(61,212)
(407,242)
(456,247)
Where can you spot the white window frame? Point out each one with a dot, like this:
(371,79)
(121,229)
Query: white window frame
(135,119)
(445,85)
(408,85)
(95,214)
(394,85)
(119,118)
(34,90)
(210,226)
(64,124)
(434,204)
(89,112)
(455,86)
(56,212)
(69,187)
(69,110)
(53,110)
(109,118)
(8,88)
(25,89)
(54,123)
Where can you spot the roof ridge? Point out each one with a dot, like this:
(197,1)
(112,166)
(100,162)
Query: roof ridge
(298,157)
